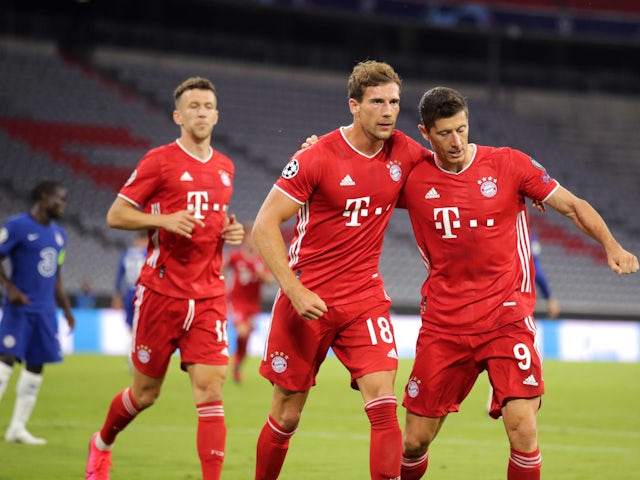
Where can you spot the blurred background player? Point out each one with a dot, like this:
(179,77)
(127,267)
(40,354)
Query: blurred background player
(179,193)
(553,307)
(245,295)
(86,296)
(129,266)
(35,245)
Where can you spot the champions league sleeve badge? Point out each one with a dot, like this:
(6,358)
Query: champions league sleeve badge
(291,169)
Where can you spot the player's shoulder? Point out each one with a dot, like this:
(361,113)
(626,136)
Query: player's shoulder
(223,160)
(19,221)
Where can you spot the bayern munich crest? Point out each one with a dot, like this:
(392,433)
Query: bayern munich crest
(143,354)
(413,387)
(488,187)
(291,169)
(224,178)
(395,171)
(279,362)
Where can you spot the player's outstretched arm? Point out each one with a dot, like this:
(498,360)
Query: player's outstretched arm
(589,221)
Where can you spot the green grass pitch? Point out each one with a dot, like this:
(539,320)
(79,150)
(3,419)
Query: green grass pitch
(589,427)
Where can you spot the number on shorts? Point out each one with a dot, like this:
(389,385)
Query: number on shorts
(221,330)
(522,353)
(384,327)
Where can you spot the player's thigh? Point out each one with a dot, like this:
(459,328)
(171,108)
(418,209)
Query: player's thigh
(205,339)
(513,363)
(295,348)
(44,345)
(158,324)
(442,375)
(15,331)
(365,341)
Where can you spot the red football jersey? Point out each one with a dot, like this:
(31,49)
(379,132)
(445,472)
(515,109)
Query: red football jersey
(246,288)
(473,234)
(169,179)
(346,199)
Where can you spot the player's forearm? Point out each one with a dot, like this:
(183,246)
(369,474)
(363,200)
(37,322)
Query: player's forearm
(61,298)
(590,222)
(273,251)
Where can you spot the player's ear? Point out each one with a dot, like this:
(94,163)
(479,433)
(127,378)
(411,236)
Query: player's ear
(177,118)
(424,132)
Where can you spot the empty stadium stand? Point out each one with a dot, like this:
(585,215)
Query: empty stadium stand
(88,122)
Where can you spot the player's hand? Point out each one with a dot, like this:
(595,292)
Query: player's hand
(622,262)
(233,231)
(182,223)
(538,205)
(16,297)
(309,141)
(308,305)
(553,308)
(71,320)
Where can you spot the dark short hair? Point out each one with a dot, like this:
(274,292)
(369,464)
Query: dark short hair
(370,73)
(45,187)
(440,102)
(193,83)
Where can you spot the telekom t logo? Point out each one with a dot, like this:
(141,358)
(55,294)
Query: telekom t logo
(447,218)
(197,203)
(355,208)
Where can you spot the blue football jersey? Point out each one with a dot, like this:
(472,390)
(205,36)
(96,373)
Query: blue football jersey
(35,252)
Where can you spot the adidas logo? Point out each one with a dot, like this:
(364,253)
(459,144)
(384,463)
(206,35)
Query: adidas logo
(530,380)
(347,181)
(392,353)
(432,193)
(186,177)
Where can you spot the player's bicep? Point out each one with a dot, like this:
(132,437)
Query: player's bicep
(278,207)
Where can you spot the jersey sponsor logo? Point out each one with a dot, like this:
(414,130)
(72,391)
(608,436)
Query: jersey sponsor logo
(48,264)
(131,178)
(448,220)
(32,237)
(530,380)
(9,341)
(395,171)
(291,169)
(59,239)
(197,202)
(413,387)
(488,187)
(279,362)
(4,234)
(186,177)
(225,178)
(347,181)
(143,353)
(432,193)
(355,209)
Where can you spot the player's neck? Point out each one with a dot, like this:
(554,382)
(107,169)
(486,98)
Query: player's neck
(362,142)
(196,147)
(39,216)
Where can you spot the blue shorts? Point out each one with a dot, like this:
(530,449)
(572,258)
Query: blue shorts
(31,336)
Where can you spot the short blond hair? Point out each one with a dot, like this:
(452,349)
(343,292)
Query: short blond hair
(371,73)
(193,83)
